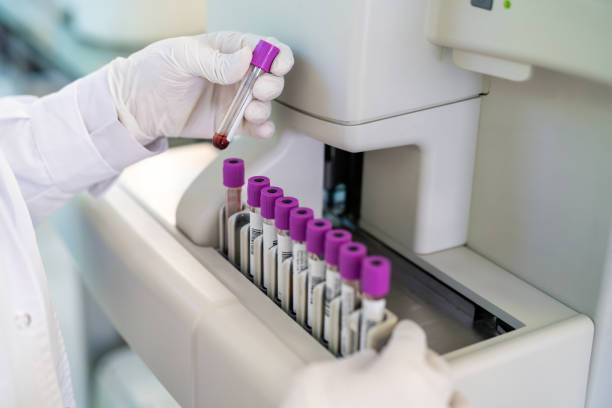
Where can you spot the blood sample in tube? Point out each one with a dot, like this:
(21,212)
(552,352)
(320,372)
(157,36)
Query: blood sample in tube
(284,205)
(350,258)
(233,180)
(263,56)
(315,245)
(268,202)
(375,281)
(254,187)
(298,218)
(333,240)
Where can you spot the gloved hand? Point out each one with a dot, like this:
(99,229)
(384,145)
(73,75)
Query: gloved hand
(405,374)
(182,86)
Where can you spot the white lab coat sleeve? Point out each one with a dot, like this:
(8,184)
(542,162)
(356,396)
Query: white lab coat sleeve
(66,142)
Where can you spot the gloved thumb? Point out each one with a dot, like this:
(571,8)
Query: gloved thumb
(221,68)
(408,344)
(358,361)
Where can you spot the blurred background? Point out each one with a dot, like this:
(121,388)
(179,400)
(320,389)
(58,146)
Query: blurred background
(45,44)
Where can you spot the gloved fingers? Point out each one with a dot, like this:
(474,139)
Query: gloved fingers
(203,120)
(437,363)
(200,59)
(258,112)
(284,61)
(459,400)
(268,87)
(263,131)
(229,41)
(407,344)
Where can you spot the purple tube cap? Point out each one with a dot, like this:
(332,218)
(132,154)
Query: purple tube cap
(333,240)
(233,172)
(264,54)
(375,276)
(254,187)
(350,257)
(315,235)
(282,210)
(268,199)
(298,218)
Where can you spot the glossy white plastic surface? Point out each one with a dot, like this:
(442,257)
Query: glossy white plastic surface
(564,35)
(370,61)
(542,197)
(417,198)
(186,311)
(186,324)
(485,64)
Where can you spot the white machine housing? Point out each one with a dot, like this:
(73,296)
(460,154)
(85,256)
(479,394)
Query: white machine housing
(511,37)
(542,193)
(370,81)
(530,243)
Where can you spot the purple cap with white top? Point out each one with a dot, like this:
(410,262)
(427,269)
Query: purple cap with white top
(333,241)
(233,172)
(298,218)
(315,235)
(282,209)
(375,276)
(263,55)
(268,199)
(254,187)
(350,257)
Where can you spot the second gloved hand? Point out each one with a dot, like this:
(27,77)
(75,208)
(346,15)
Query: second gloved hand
(406,374)
(181,87)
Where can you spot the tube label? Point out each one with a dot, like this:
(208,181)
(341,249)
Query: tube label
(348,304)
(255,230)
(269,242)
(283,253)
(316,275)
(300,264)
(333,284)
(372,313)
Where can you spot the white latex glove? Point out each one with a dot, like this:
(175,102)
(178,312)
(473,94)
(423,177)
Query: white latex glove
(182,86)
(406,374)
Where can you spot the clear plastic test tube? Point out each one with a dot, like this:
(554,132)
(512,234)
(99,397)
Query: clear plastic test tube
(263,56)
(333,240)
(254,187)
(350,258)
(298,218)
(233,180)
(316,229)
(284,205)
(375,280)
(268,201)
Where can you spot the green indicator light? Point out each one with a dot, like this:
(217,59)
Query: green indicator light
(507,4)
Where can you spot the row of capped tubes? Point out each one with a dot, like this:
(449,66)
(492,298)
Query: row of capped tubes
(297,260)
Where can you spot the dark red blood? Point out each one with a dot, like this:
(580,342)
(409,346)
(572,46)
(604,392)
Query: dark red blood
(220,141)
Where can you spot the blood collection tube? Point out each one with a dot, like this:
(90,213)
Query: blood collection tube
(254,187)
(263,55)
(233,179)
(333,241)
(298,218)
(268,201)
(282,210)
(316,229)
(375,280)
(350,258)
